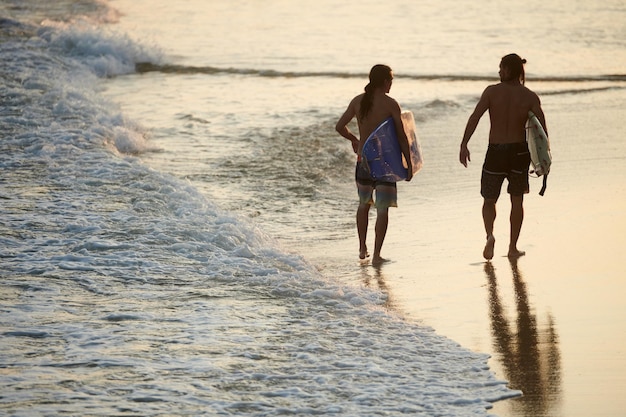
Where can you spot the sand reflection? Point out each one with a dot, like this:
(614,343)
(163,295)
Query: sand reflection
(529,353)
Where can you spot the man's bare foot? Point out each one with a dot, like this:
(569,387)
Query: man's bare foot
(488,251)
(377,260)
(514,253)
(364,254)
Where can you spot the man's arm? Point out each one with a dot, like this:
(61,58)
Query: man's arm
(536,109)
(470,128)
(342,126)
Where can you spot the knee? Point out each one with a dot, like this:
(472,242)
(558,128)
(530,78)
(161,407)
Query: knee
(490,202)
(517,200)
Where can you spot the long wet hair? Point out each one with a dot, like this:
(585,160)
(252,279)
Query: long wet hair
(378,75)
(515,64)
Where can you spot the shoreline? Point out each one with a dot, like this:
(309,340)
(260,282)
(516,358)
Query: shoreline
(552,321)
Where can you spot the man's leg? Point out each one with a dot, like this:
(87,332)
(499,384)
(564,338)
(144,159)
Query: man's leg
(517,218)
(489,217)
(386,196)
(362,220)
(365,190)
(382,220)
(490,186)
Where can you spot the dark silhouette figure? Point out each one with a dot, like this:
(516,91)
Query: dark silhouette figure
(529,355)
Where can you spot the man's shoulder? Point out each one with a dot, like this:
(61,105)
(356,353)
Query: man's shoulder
(391,102)
(492,89)
(504,88)
(357,99)
(529,91)
(355,103)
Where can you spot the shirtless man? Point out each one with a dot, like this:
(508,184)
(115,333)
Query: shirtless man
(371,109)
(507,155)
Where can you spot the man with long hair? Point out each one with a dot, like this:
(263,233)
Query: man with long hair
(371,108)
(507,156)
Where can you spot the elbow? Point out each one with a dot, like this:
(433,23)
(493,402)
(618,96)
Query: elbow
(474,119)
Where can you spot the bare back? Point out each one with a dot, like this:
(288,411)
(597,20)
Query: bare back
(508,105)
(383,107)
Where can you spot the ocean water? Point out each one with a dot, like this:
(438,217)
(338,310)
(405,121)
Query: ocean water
(177,231)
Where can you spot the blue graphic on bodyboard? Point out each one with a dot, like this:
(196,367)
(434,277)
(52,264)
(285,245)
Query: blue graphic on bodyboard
(382,154)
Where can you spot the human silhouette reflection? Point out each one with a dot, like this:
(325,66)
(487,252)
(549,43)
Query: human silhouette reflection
(377,278)
(530,356)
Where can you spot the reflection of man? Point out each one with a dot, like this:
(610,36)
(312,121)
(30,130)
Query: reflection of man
(378,280)
(370,109)
(507,155)
(531,363)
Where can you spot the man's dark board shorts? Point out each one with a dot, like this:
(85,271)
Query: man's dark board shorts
(507,160)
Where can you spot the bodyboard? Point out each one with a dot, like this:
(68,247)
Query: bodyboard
(382,154)
(539,147)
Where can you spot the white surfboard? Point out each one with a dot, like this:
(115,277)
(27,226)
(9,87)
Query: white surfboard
(539,147)
(382,153)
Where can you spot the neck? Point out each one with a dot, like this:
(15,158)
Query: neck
(512,81)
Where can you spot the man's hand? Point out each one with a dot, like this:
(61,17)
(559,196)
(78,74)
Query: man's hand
(355,145)
(409,174)
(464,155)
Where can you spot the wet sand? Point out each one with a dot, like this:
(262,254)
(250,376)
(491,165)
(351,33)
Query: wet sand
(553,321)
